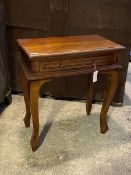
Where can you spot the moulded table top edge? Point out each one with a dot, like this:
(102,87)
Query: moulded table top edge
(71,45)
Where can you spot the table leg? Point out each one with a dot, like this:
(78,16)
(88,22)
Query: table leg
(34,95)
(26,93)
(114,79)
(89,93)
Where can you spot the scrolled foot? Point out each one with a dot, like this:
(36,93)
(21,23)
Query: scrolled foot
(34,143)
(88,111)
(103,127)
(27,120)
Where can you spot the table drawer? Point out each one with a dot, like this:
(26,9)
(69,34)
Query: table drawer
(73,63)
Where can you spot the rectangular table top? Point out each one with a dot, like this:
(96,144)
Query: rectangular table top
(53,46)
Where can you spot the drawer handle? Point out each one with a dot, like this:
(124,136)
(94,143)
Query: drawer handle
(95,66)
(61,65)
(44,66)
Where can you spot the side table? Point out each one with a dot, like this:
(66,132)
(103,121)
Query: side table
(43,59)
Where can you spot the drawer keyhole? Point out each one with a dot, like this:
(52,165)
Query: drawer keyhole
(45,66)
(95,67)
(61,65)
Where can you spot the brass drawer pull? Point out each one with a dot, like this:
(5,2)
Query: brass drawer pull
(44,66)
(61,65)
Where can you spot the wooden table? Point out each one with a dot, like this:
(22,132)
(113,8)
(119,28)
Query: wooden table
(43,59)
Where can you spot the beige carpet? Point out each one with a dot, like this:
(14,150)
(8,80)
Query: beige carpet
(73,145)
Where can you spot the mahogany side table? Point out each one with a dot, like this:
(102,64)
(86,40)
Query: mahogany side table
(43,59)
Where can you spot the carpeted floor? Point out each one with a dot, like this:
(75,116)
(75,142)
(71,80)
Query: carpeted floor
(73,144)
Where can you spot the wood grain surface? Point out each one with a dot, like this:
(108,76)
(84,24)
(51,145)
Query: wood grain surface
(42,47)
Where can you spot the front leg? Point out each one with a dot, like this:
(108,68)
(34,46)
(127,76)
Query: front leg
(34,95)
(114,79)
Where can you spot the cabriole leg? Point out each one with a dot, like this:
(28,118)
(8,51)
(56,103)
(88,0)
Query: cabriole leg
(34,96)
(114,79)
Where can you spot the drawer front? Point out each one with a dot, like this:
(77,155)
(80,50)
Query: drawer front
(73,63)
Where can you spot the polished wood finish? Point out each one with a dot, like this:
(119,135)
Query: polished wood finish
(54,46)
(43,59)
